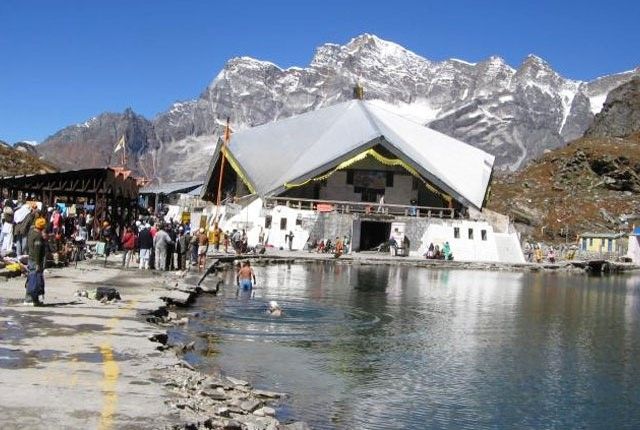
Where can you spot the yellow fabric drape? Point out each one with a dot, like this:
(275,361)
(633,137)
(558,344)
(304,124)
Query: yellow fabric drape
(380,158)
(236,168)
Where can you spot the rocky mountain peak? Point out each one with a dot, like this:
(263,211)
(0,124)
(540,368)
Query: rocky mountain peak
(514,114)
(620,115)
(536,70)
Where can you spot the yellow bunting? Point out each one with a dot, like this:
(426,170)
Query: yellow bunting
(235,166)
(380,158)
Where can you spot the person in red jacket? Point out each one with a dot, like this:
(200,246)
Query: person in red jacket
(129,246)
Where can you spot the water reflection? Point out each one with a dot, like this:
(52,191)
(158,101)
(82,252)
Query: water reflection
(397,347)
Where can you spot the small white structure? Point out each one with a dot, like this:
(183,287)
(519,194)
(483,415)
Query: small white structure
(633,250)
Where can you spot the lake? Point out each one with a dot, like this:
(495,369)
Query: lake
(386,347)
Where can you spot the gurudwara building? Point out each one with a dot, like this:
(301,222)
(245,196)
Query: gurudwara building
(355,169)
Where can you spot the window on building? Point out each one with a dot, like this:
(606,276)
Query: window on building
(267,221)
(483,234)
(456,232)
(389,179)
(283,223)
(349,177)
(610,245)
(470,233)
(590,241)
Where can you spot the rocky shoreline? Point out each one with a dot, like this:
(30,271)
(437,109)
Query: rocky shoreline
(205,401)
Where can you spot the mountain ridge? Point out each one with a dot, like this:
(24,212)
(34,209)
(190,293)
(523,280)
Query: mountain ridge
(591,184)
(513,113)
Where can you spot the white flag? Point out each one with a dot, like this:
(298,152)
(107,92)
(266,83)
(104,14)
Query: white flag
(119,145)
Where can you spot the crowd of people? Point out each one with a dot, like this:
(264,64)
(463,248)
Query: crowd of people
(34,235)
(64,230)
(337,247)
(171,245)
(533,252)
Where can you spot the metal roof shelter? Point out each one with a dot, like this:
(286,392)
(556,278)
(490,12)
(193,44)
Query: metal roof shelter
(171,188)
(274,157)
(154,195)
(107,187)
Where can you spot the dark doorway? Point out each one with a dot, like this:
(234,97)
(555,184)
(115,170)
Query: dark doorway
(371,194)
(373,233)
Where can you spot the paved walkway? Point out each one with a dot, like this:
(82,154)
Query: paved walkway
(78,363)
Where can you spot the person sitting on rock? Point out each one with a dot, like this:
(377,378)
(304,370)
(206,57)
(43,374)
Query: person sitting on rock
(430,251)
(537,253)
(551,255)
(446,251)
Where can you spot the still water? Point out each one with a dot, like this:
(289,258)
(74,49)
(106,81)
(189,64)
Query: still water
(380,347)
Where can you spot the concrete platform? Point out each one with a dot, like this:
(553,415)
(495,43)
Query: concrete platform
(79,363)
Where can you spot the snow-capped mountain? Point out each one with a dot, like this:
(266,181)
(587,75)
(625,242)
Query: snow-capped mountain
(512,113)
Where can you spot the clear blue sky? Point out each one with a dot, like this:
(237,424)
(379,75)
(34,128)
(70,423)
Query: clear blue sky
(62,62)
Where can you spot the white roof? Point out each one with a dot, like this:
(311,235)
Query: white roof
(303,146)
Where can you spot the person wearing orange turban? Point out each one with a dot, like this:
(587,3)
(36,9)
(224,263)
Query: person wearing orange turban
(37,245)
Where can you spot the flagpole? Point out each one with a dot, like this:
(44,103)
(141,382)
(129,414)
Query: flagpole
(223,154)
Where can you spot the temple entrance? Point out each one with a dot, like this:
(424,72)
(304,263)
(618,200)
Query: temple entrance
(373,233)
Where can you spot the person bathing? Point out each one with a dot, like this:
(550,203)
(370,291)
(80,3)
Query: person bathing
(245,276)
(274,309)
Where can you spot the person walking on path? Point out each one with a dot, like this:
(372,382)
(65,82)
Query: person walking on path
(161,243)
(381,204)
(106,236)
(290,237)
(6,236)
(145,242)
(90,225)
(193,249)
(215,238)
(245,276)
(37,244)
(184,239)
(129,246)
(203,246)
(171,247)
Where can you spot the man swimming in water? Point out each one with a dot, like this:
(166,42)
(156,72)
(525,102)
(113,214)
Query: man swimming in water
(245,275)
(274,309)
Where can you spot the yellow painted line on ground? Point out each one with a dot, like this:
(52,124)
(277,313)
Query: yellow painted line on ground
(110,373)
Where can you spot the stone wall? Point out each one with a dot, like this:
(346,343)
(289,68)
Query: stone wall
(331,225)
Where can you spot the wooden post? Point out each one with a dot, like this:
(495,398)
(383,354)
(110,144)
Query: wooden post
(223,155)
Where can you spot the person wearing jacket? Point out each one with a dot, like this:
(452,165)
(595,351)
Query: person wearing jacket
(161,243)
(145,243)
(182,248)
(37,244)
(129,246)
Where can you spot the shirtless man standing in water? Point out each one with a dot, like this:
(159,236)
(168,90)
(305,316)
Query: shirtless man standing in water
(245,275)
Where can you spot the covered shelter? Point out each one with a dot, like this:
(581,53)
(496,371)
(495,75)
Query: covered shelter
(352,151)
(111,193)
(154,195)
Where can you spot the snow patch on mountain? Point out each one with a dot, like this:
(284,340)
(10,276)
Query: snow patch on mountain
(513,113)
(597,102)
(419,111)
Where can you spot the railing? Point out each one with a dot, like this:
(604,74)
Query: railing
(366,208)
